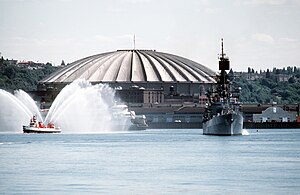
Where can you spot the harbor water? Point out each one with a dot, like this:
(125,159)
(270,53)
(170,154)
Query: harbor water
(169,161)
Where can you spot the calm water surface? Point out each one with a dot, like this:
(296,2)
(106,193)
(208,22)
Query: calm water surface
(151,162)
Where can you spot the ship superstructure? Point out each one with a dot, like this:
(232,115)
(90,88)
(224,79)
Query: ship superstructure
(222,114)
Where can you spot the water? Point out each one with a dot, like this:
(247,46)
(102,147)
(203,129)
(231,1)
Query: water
(151,162)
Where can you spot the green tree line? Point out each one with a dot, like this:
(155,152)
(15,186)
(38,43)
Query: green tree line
(13,77)
(269,89)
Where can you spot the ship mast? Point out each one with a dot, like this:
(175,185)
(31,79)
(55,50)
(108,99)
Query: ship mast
(224,65)
(222,54)
(224,61)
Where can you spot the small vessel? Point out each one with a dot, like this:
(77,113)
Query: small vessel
(123,119)
(222,113)
(138,122)
(39,127)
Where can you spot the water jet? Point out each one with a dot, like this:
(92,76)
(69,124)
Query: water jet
(79,107)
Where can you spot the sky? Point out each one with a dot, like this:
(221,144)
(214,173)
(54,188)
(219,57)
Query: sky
(260,34)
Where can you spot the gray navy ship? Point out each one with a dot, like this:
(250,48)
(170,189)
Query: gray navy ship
(222,113)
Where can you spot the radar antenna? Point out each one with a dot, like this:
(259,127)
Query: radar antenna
(222,54)
(134,42)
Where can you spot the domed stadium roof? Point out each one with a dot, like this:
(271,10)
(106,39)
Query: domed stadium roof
(133,65)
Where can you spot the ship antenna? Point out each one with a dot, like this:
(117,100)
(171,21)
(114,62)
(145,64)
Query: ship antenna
(222,54)
(134,42)
(222,48)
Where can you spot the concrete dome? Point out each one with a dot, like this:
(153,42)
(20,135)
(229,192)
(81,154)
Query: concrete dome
(133,66)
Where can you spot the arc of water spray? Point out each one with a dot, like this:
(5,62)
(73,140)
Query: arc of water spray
(29,103)
(68,102)
(18,103)
(59,110)
(65,92)
(56,104)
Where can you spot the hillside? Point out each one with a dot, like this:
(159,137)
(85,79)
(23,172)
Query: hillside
(23,76)
(280,85)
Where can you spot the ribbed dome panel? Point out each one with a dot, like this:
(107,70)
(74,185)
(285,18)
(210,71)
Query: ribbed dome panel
(133,65)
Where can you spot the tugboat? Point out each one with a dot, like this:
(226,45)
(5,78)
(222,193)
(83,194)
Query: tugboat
(39,127)
(222,114)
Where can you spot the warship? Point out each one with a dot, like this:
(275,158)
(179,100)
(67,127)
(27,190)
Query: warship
(222,113)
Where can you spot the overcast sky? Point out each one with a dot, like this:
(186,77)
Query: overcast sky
(257,33)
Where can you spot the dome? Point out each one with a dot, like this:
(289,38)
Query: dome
(133,66)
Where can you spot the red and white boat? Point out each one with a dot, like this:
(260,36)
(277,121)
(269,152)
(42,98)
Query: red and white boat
(39,127)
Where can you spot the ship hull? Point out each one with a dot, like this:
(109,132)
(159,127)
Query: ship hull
(27,129)
(228,124)
(136,127)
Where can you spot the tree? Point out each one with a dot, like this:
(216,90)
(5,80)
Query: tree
(13,77)
(278,71)
(62,63)
(289,70)
(231,75)
(292,80)
(268,75)
(283,71)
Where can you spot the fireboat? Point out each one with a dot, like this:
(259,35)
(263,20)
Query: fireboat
(39,127)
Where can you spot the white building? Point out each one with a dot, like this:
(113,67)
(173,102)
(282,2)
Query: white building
(274,114)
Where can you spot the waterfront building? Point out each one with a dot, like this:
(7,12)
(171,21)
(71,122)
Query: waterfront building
(137,94)
(274,114)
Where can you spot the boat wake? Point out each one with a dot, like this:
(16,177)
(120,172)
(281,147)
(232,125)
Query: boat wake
(245,132)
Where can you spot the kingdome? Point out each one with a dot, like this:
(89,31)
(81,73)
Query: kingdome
(144,68)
